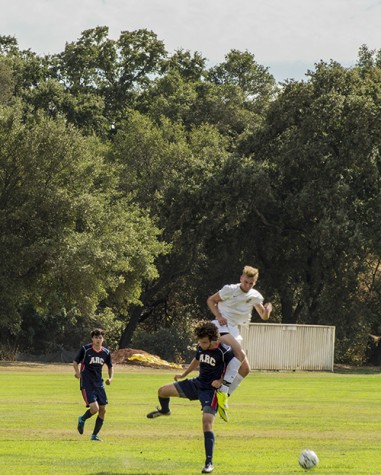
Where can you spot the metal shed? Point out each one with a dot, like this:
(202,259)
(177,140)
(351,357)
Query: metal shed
(273,346)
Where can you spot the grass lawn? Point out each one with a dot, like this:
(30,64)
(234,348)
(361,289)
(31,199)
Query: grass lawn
(273,416)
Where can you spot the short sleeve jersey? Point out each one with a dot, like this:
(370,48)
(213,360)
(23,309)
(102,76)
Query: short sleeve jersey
(212,364)
(92,362)
(236,306)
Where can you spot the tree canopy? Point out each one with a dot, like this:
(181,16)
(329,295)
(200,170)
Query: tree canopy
(135,182)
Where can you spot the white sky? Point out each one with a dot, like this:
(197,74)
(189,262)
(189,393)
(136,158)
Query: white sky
(288,36)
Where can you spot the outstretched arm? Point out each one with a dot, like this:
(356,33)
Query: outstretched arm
(264,310)
(192,367)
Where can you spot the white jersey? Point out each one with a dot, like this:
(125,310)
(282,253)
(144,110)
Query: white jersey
(236,306)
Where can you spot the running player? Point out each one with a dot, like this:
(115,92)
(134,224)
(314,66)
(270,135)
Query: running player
(88,366)
(218,367)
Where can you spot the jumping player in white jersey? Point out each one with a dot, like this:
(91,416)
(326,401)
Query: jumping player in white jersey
(88,366)
(232,306)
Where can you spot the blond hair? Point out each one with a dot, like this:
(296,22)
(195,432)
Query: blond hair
(249,271)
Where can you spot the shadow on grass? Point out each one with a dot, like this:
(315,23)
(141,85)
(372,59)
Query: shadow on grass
(344,369)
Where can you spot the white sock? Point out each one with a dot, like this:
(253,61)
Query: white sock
(232,370)
(236,382)
(230,374)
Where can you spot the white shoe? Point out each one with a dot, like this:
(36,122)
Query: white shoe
(208,468)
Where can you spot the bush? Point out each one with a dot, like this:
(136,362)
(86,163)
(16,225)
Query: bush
(42,334)
(8,352)
(351,351)
(168,343)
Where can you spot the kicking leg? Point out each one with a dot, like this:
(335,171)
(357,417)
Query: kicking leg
(164,394)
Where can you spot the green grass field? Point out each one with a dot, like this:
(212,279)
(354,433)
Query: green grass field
(273,416)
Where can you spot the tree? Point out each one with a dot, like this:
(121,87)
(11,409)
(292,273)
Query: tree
(110,71)
(241,69)
(165,169)
(68,241)
(190,67)
(7,83)
(314,181)
(92,81)
(169,161)
(231,96)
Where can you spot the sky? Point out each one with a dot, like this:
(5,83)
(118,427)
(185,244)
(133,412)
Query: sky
(287,36)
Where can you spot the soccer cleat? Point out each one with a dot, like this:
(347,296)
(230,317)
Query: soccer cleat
(208,468)
(222,405)
(222,399)
(223,413)
(158,413)
(81,425)
(95,437)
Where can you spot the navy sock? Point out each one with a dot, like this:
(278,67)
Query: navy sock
(98,425)
(209,446)
(87,415)
(164,404)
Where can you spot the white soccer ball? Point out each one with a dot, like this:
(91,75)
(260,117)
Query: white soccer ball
(308,459)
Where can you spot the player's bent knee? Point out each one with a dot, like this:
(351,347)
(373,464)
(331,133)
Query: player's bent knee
(160,391)
(208,418)
(208,410)
(165,391)
(244,372)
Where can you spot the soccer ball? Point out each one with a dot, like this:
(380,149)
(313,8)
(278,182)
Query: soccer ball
(308,459)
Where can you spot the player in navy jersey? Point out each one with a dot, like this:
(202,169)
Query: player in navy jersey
(88,366)
(217,368)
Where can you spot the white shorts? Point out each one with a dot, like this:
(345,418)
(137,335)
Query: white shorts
(229,328)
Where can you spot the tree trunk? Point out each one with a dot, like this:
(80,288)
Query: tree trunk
(125,339)
(287,306)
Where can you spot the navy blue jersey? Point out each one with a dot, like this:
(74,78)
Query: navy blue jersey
(213,364)
(92,362)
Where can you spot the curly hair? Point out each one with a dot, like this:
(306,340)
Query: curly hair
(207,329)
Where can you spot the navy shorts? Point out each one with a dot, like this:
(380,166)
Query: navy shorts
(190,389)
(91,394)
